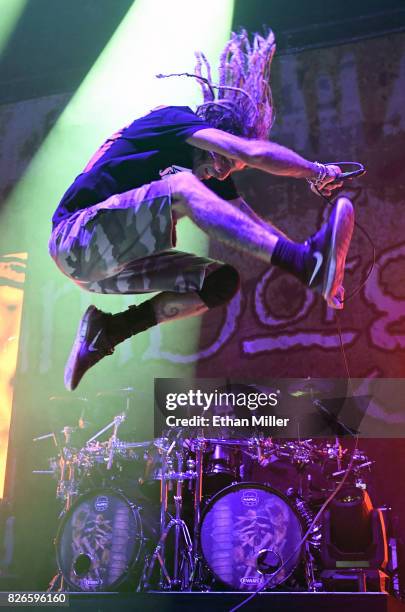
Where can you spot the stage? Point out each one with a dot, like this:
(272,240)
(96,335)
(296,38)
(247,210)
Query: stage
(222,601)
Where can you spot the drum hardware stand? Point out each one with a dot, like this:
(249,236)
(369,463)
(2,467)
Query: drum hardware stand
(195,577)
(181,580)
(67,490)
(67,485)
(112,442)
(56,585)
(115,423)
(394,567)
(313,584)
(172,583)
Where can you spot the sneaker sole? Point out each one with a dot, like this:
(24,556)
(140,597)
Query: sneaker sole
(71,364)
(340,242)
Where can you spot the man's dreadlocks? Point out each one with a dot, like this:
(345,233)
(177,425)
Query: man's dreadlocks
(241,103)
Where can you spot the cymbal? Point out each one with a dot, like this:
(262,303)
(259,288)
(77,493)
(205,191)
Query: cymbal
(305,393)
(67,399)
(221,442)
(146,444)
(303,389)
(78,409)
(316,387)
(124,392)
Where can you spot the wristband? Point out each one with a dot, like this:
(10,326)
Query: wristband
(322,172)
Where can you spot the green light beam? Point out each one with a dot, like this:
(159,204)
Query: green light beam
(10,11)
(155,36)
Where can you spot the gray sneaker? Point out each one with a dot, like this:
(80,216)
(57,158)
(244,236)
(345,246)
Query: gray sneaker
(327,251)
(90,346)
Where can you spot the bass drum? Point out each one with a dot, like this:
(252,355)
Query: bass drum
(248,531)
(99,541)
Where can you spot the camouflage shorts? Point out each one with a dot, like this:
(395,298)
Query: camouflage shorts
(125,245)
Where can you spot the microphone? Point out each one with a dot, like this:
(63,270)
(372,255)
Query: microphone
(359,170)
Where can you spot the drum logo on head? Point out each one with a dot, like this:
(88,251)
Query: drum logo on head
(101,503)
(89,585)
(251,580)
(249,497)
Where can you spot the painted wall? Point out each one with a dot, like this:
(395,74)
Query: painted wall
(342,103)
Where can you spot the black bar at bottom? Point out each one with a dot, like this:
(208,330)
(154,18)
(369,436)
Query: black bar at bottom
(224,601)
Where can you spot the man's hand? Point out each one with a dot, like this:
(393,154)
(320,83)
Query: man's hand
(330,182)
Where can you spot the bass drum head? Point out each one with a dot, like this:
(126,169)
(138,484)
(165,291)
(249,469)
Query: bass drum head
(248,531)
(99,541)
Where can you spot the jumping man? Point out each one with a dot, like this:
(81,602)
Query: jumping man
(114,229)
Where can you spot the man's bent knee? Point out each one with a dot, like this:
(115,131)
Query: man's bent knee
(220,286)
(182,186)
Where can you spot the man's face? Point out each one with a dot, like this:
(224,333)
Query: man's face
(212,165)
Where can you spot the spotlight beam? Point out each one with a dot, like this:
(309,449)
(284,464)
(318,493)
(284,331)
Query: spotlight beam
(155,36)
(10,12)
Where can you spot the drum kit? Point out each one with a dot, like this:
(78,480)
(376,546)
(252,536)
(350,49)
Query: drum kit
(189,512)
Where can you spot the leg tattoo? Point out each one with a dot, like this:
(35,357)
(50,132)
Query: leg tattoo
(169,306)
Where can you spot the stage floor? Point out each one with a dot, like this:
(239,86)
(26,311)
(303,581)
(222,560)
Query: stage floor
(224,601)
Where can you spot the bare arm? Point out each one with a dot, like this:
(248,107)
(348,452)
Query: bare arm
(261,154)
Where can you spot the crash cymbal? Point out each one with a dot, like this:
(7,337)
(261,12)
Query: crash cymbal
(124,392)
(79,408)
(305,393)
(317,387)
(302,388)
(68,399)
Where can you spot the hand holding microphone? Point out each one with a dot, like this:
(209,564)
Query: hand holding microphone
(331,176)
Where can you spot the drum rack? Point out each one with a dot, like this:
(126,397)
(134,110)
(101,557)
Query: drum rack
(242,535)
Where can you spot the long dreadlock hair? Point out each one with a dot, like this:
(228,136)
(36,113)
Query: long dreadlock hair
(241,103)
